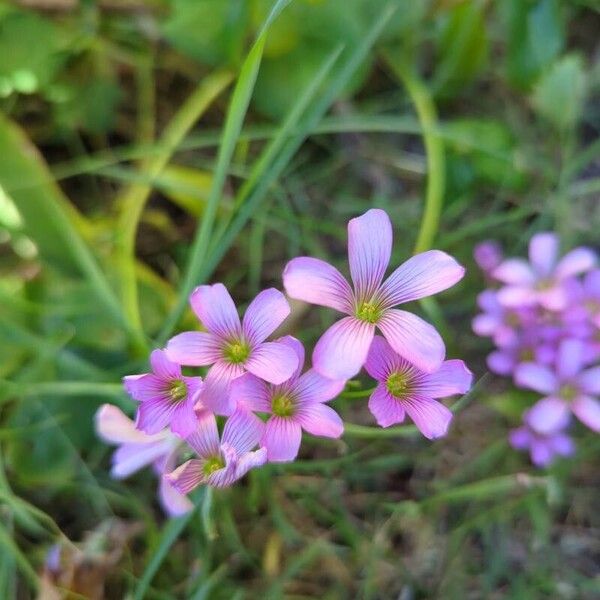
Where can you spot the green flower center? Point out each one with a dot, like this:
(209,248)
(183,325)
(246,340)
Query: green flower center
(212,464)
(527,355)
(593,306)
(236,352)
(282,406)
(398,384)
(368,312)
(568,392)
(177,390)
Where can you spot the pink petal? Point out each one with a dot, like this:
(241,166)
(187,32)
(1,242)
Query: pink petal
(501,363)
(575,262)
(130,458)
(591,283)
(216,393)
(250,460)
(264,315)
(313,387)
(184,421)
(115,427)
(587,410)
(520,438)
(154,415)
(186,477)
(485,325)
(174,503)
(543,252)
(144,387)
(413,339)
(243,430)
(381,360)
(569,360)
(432,418)
(420,276)
(320,419)
(562,444)
(548,415)
(516,296)
(487,255)
(194,348)
(536,377)
(342,349)
(453,377)
(515,271)
(541,453)
(163,367)
(385,408)
(273,361)
(317,282)
(205,439)
(296,345)
(251,392)
(589,381)
(281,439)
(214,307)
(369,251)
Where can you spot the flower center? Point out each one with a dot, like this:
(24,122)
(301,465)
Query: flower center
(369,312)
(568,392)
(236,352)
(593,306)
(527,355)
(212,464)
(398,384)
(544,284)
(282,405)
(177,390)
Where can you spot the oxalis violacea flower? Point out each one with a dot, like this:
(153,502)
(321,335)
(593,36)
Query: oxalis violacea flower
(233,347)
(404,389)
(343,348)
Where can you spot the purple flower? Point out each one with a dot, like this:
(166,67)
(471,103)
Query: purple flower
(220,462)
(137,450)
(294,405)
(343,348)
(568,388)
(543,447)
(541,280)
(403,388)
(166,397)
(488,255)
(231,347)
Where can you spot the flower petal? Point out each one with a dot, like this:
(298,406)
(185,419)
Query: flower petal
(163,367)
(154,415)
(194,348)
(515,271)
(587,410)
(487,255)
(431,417)
(281,438)
(420,276)
(264,315)
(216,310)
(317,282)
(501,362)
(342,349)
(205,439)
(173,502)
(413,339)
(589,381)
(115,427)
(251,392)
(548,415)
(536,377)
(575,262)
(184,420)
(381,360)
(243,430)
(562,444)
(320,419)
(216,393)
(273,361)
(520,438)
(369,251)
(516,296)
(186,477)
(569,360)
(541,453)
(130,458)
(385,408)
(313,387)
(543,252)
(250,460)
(453,377)
(296,345)
(144,387)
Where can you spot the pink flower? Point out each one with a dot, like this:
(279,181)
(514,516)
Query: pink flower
(167,398)
(403,388)
(541,280)
(294,405)
(220,462)
(568,388)
(488,255)
(543,447)
(343,348)
(137,450)
(231,347)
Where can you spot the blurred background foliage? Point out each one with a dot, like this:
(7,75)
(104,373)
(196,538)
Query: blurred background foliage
(130,171)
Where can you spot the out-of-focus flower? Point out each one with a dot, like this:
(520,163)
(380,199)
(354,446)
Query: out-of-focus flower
(543,447)
(488,255)
(167,398)
(294,405)
(541,280)
(233,347)
(220,462)
(404,389)
(138,450)
(567,388)
(342,350)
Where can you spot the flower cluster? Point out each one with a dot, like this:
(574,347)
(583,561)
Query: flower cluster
(543,316)
(258,388)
